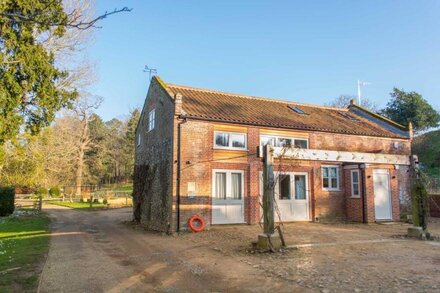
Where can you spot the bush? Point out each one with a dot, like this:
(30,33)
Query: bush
(105,201)
(95,200)
(7,201)
(41,191)
(55,191)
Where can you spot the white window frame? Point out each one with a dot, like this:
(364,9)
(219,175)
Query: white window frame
(151,120)
(228,184)
(292,185)
(285,137)
(138,139)
(352,183)
(230,147)
(337,178)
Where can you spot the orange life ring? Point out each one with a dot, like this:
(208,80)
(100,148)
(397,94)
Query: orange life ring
(196,223)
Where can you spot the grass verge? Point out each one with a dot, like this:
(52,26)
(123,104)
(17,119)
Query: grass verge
(24,243)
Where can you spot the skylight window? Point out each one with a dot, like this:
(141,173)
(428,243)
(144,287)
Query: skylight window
(348,116)
(297,110)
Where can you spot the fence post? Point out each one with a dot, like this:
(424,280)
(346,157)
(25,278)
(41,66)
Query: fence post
(40,203)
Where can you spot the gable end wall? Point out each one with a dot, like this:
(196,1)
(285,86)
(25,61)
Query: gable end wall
(153,175)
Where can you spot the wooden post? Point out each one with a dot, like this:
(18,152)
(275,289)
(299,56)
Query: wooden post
(40,203)
(268,190)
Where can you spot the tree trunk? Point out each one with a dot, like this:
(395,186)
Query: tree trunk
(80,161)
(79,172)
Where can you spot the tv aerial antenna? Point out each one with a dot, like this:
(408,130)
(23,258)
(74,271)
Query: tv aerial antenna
(150,71)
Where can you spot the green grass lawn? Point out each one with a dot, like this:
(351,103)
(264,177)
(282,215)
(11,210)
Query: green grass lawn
(78,205)
(123,188)
(24,243)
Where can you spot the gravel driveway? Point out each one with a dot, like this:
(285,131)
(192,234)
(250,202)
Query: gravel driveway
(98,252)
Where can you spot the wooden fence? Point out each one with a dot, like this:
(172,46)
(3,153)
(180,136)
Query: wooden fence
(434,204)
(29,203)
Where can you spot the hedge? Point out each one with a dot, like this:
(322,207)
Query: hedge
(7,200)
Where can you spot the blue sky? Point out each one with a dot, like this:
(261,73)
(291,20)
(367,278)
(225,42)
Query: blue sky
(304,51)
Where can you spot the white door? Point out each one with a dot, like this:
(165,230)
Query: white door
(291,196)
(227,196)
(382,194)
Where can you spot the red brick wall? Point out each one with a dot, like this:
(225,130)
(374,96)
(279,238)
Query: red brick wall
(354,206)
(198,161)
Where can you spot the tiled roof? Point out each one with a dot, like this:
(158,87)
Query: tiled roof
(219,106)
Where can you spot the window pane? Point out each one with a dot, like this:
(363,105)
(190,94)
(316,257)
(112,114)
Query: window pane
(265,140)
(301,143)
(222,139)
(355,176)
(220,185)
(300,187)
(238,140)
(284,142)
(151,118)
(334,183)
(333,172)
(236,185)
(356,189)
(284,187)
(324,172)
(325,182)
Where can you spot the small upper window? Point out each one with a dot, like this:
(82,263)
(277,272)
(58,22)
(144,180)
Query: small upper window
(330,178)
(355,192)
(348,116)
(151,119)
(228,140)
(284,141)
(297,110)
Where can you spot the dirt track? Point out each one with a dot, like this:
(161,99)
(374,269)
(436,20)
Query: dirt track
(97,252)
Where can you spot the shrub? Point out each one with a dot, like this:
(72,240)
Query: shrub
(95,200)
(7,201)
(55,191)
(105,201)
(41,191)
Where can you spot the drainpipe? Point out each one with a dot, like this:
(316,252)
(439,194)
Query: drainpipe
(182,119)
(364,194)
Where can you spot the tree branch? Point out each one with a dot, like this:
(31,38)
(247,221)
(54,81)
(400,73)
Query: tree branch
(72,21)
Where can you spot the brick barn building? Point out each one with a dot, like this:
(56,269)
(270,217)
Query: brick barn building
(196,153)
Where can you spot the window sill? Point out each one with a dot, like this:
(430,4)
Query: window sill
(331,190)
(230,149)
(355,197)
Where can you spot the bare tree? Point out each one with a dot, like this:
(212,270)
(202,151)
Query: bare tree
(69,48)
(83,110)
(344,100)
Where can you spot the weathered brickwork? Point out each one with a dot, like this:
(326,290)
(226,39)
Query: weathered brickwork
(155,195)
(154,162)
